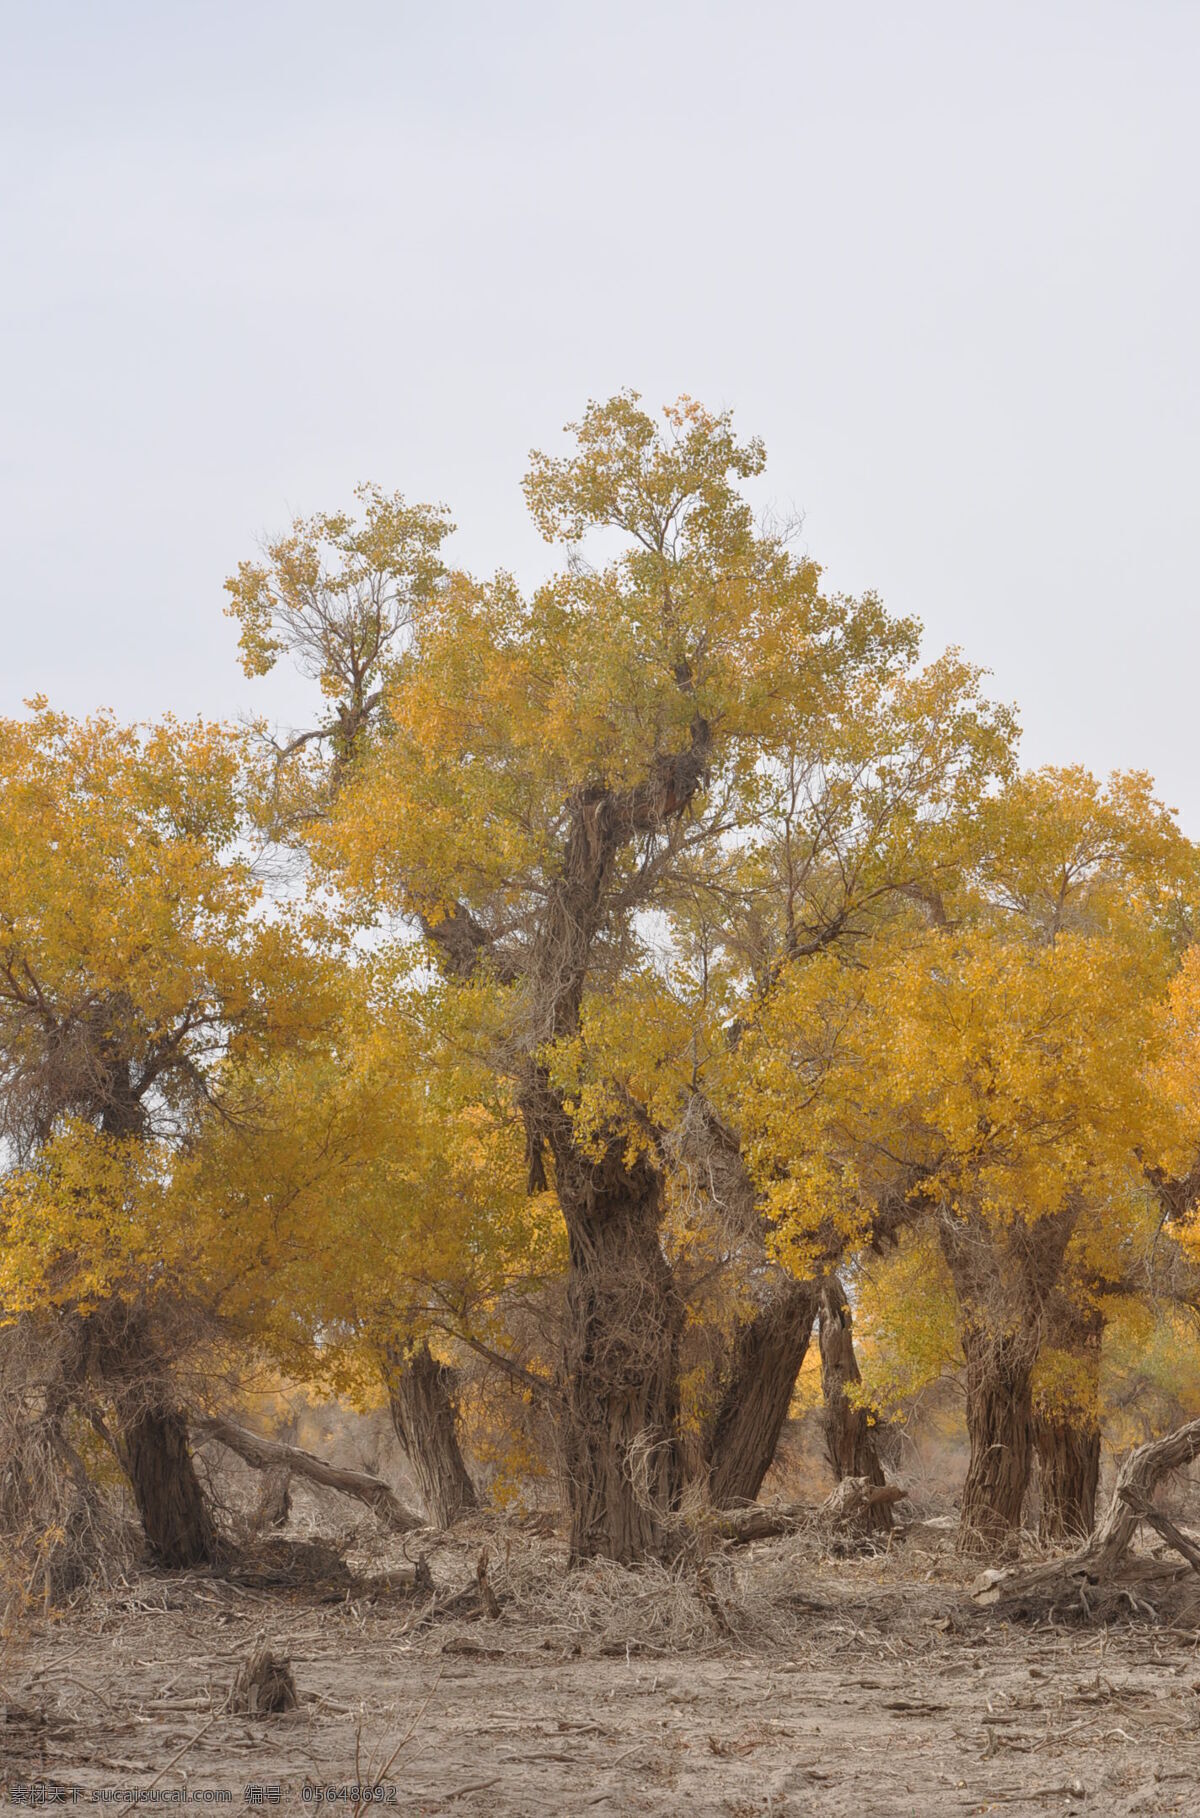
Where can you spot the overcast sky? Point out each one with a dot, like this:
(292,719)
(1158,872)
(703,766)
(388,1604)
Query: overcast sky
(944,258)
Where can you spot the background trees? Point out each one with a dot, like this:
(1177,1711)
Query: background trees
(137,979)
(995,1068)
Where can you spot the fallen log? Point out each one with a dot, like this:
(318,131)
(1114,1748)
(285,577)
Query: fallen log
(266,1454)
(850,1500)
(1103,1555)
(854,1498)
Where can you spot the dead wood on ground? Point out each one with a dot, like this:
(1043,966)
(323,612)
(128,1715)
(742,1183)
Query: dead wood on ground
(265,1454)
(1087,1582)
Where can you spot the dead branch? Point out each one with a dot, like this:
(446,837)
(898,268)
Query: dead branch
(849,1501)
(264,1454)
(1104,1554)
(1162,1524)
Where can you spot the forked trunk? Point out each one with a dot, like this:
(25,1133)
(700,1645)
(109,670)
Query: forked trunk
(622,1327)
(1005,1276)
(420,1395)
(1068,1455)
(768,1353)
(1000,1430)
(848,1425)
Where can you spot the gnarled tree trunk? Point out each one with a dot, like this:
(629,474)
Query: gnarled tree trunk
(847,1424)
(1068,1455)
(622,1327)
(150,1437)
(768,1352)
(420,1395)
(1000,1429)
(1005,1273)
(152,1445)
(1066,1427)
(620,1435)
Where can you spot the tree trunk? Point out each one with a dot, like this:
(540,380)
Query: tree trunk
(768,1353)
(152,1445)
(622,1326)
(1066,1426)
(425,1418)
(1006,1275)
(848,1425)
(621,1450)
(1068,1455)
(1000,1429)
(150,1436)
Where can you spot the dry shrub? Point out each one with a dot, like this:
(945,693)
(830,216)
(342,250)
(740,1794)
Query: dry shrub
(62,1525)
(747,1596)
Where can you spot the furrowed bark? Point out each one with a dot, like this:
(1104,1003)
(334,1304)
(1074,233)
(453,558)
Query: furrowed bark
(1068,1455)
(152,1444)
(266,1454)
(1000,1429)
(1004,1280)
(1066,1427)
(768,1353)
(849,1438)
(622,1327)
(420,1396)
(150,1438)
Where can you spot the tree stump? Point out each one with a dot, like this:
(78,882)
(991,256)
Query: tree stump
(264,1685)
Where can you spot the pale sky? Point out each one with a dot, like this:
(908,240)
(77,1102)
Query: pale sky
(945,258)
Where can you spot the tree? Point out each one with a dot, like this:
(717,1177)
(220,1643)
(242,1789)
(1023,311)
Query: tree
(136,971)
(554,779)
(997,1063)
(380,1221)
(338,597)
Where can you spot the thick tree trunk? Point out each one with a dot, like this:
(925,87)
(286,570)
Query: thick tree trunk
(622,1327)
(152,1444)
(1000,1430)
(1068,1455)
(425,1418)
(768,1353)
(150,1436)
(1005,1274)
(848,1425)
(1066,1427)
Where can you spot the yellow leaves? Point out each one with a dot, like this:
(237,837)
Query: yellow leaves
(1064,852)
(628,475)
(91,1217)
(1175,1079)
(382,1187)
(1008,1074)
(339,594)
(629,1063)
(139,972)
(905,1321)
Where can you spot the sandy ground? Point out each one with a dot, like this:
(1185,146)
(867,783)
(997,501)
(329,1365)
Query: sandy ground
(787,1684)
